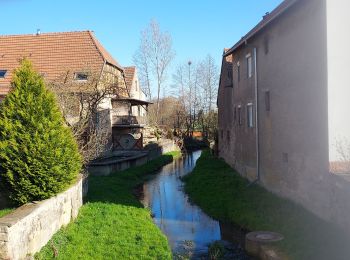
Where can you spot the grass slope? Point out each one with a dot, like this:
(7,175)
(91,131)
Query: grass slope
(4,212)
(226,196)
(113,224)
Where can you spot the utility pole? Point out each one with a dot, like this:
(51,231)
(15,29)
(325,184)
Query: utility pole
(190,97)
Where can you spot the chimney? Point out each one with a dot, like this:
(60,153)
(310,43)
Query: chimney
(266,15)
(38,32)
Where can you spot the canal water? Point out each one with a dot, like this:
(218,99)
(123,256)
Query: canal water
(188,229)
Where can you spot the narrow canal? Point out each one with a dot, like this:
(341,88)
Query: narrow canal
(188,228)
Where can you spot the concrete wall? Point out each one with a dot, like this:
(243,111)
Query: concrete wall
(226,134)
(157,149)
(137,93)
(293,134)
(114,164)
(338,42)
(26,230)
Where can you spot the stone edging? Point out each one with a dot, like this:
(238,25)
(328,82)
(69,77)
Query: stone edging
(27,229)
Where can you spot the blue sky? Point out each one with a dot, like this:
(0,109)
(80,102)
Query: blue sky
(198,27)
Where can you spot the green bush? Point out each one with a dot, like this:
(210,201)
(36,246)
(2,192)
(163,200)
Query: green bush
(38,154)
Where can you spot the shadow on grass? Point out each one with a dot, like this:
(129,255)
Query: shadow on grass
(118,187)
(226,196)
(112,224)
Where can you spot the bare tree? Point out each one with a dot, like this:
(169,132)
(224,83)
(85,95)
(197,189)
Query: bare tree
(342,146)
(196,85)
(142,62)
(182,89)
(80,103)
(209,75)
(155,54)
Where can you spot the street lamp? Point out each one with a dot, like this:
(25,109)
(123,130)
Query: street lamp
(190,88)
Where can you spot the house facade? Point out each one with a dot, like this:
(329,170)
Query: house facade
(275,96)
(130,117)
(75,60)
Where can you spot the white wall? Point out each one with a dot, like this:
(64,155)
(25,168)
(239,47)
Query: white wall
(338,24)
(137,93)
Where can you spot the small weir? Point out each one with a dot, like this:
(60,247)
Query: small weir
(189,230)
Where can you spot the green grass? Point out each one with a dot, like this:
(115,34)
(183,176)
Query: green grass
(226,196)
(4,212)
(112,224)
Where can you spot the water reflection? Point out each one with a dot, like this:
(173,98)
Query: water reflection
(173,213)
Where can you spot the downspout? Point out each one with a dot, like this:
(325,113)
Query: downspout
(256,118)
(257,179)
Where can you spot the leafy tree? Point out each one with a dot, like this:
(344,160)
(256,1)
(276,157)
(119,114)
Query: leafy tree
(38,154)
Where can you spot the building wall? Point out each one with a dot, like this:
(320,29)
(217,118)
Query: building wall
(293,135)
(107,108)
(338,22)
(137,93)
(226,135)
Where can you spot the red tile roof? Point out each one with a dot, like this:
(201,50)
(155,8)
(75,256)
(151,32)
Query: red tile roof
(52,54)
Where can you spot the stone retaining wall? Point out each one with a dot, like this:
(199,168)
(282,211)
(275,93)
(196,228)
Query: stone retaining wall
(164,146)
(26,230)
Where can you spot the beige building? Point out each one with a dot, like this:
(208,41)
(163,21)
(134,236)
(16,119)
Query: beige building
(282,97)
(76,60)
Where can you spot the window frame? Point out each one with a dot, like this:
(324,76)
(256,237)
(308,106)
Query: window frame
(76,76)
(267,101)
(250,115)
(239,112)
(238,72)
(234,114)
(249,62)
(3,74)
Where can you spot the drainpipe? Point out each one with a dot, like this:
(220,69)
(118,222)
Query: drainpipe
(256,118)
(257,178)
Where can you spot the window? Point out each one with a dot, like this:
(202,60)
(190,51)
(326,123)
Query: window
(266,44)
(249,66)
(250,119)
(81,76)
(2,73)
(239,115)
(97,118)
(234,114)
(267,100)
(136,87)
(228,136)
(229,77)
(238,72)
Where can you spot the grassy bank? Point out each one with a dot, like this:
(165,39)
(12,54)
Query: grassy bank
(113,224)
(4,212)
(226,196)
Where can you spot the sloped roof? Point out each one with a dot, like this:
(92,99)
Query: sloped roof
(129,73)
(267,19)
(52,54)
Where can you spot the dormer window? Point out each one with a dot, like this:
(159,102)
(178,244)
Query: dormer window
(2,73)
(81,76)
